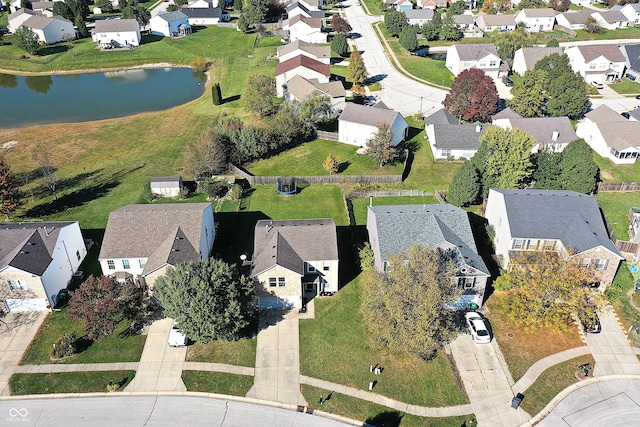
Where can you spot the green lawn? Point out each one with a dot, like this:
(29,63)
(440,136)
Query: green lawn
(240,353)
(68,382)
(113,348)
(628,314)
(620,33)
(217,382)
(616,207)
(334,347)
(609,171)
(307,159)
(551,382)
(626,86)
(375,414)
(360,205)
(374,6)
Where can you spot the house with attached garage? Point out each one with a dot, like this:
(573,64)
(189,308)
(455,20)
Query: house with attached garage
(536,20)
(37,259)
(611,135)
(49,30)
(116,33)
(303,66)
(526,58)
(631,11)
(550,133)
(418,16)
(611,19)
(499,23)
(170,24)
(574,20)
(448,138)
(485,57)
(294,261)
(310,30)
(167,186)
(296,8)
(565,222)
(203,4)
(631,52)
(300,89)
(142,241)
(44,8)
(203,16)
(358,124)
(298,47)
(393,229)
(597,63)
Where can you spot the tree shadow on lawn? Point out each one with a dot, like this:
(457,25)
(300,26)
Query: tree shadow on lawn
(231,99)
(485,249)
(52,50)
(386,419)
(347,85)
(343,166)
(150,38)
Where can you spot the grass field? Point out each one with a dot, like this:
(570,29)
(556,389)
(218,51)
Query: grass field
(240,353)
(616,207)
(68,382)
(612,172)
(628,314)
(626,86)
(217,382)
(326,340)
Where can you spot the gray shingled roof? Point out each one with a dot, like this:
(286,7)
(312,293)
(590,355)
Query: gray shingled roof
(419,13)
(202,12)
(115,25)
(399,227)
(542,128)
(604,114)
(356,113)
(610,52)
(458,137)
(578,17)
(172,16)
(632,53)
(572,217)
(542,12)
(313,49)
(534,54)
(28,246)
(613,16)
(301,88)
(507,113)
(289,243)
(474,52)
(441,117)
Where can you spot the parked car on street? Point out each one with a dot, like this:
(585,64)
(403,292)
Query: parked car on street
(176,338)
(477,328)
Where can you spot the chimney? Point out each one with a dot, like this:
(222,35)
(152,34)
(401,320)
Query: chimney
(478,127)
(555,135)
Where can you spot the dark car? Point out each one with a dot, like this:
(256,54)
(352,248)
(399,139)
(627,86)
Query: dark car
(637,96)
(507,81)
(590,322)
(625,114)
(62,298)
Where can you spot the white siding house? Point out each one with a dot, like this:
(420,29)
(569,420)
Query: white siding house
(302,66)
(598,63)
(48,30)
(116,32)
(298,47)
(537,20)
(309,30)
(526,58)
(485,57)
(358,123)
(170,24)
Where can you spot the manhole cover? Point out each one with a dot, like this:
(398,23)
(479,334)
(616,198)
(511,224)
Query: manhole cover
(509,334)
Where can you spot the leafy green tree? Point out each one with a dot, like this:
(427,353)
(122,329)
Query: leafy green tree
(237,5)
(242,24)
(547,170)
(79,8)
(81,26)
(473,96)
(545,289)
(553,43)
(578,171)
(431,29)
(530,95)
(26,39)
(255,11)
(331,164)
(209,300)
(172,8)
(395,21)
(356,72)
(380,147)
(504,158)
(591,25)
(449,30)
(9,191)
(457,8)
(367,257)
(139,13)
(567,96)
(26,4)
(316,108)
(259,95)
(493,7)
(61,8)
(465,187)
(339,25)
(104,5)
(406,307)
(509,41)
(409,38)
(339,45)
(531,4)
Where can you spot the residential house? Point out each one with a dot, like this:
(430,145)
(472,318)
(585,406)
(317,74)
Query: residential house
(297,8)
(299,47)
(17,18)
(310,30)
(448,138)
(634,115)
(44,8)
(632,12)
(611,19)
(170,24)
(203,4)
(299,88)
(419,16)
(427,4)
(631,53)
(294,261)
(465,21)
(303,66)
(358,123)
(565,222)
(526,58)
(116,33)
(634,232)
(485,57)
(499,23)
(142,241)
(48,30)
(537,19)
(550,133)
(167,186)
(611,135)
(403,5)
(574,20)
(597,62)
(37,259)
(14,5)
(202,15)
(309,4)
(393,229)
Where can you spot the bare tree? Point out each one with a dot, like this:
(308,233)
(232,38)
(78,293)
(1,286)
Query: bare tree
(40,153)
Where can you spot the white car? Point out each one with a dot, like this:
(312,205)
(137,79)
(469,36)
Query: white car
(176,338)
(477,328)
(597,85)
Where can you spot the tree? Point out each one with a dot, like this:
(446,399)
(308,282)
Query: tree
(578,171)
(316,108)
(465,187)
(216,94)
(208,299)
(255,11)
(493,7)
(530,95)
(473,96)
(243,25)
(406,307)
(339,45)
(560,5)
(200,64)
(542,289)
(172,8)
(357,73)
(380,146)
(409,38)
(457,8)
(41,154)
(339,25)
(26,4)
(547,170)
(207,156)
(431,29)
(26,39)
(9,192)
(531,4)
(504,158)
(449,30)
(139,13)
(61,8)
(591,25)
(565,90)
(553,43)
(104,5)
(331,164)
(79,8)
(508,42)
(81,26)
(101,303)
(395,21)
(259,95)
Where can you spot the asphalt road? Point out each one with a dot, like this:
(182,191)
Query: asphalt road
(149,411)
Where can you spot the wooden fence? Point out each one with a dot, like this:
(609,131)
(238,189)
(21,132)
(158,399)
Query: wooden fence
(399,193)
(327,135)
(622,245)
(604,187)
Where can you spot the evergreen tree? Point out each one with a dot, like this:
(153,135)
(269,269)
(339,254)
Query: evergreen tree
(357,73)
(465,187)
(449,30)
(431,30)
(547,170)
(339,45)
(578,171)
(395,21)
(530,95)
(216,94)
(409,38)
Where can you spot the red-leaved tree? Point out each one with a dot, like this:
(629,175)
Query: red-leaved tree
(473,96)
(101,303)
(9,193)
(339,25)
(560,5)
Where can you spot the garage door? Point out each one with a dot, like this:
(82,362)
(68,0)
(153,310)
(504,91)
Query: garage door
(33,304)
(283,302)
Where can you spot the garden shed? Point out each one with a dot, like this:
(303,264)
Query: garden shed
(167,186)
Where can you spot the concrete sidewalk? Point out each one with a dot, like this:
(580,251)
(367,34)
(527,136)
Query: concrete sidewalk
(543,364)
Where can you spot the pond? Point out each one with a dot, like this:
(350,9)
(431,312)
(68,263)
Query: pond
(33,100)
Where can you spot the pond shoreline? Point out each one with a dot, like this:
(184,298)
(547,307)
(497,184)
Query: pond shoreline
(93,70)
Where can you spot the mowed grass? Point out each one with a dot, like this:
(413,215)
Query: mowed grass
(68,382)
(374,414)
(335,347)
(217,382)
(551,382)
(525,348)
(360,205)
(307,159)
(117,347)
(628,314)
(612,172)
(626,86)
(240,353)
(616,207)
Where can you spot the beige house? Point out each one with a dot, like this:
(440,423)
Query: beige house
(294,261)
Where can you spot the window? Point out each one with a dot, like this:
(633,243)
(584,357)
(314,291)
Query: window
(17,285)
(518,244)
(326,266)
(466,282)
(533,245)
(78,255)
(549,245)
(601,264)
(592,66)
(273,282)
(125,264)
(310,268)
(446,153)
(281,282)
(142,262)
(111,264)
(493,63)
(308,287)
(585,262)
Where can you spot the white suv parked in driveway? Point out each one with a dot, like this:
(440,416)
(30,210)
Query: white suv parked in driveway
(597,85)
(176,338)
(477,328)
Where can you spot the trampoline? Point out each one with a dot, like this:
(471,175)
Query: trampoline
(286,185)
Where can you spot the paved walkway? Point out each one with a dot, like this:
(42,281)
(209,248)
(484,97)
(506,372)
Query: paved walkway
(543,364)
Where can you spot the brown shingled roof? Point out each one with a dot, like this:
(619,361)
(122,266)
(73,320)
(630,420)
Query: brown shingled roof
(303,61)
(609,51)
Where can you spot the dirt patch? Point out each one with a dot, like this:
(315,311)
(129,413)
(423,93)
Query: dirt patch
(606,174)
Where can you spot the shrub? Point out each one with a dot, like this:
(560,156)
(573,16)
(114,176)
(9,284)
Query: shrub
(613,292)
(65,346)
(214,188)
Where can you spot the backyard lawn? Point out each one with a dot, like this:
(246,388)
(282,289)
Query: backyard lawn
(609,171)
(628,314)
(217,382)
(68,382)
(334,347)
(616,207)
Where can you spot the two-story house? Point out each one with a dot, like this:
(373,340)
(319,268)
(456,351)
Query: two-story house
(597,63)
(536,20)
(485,57)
